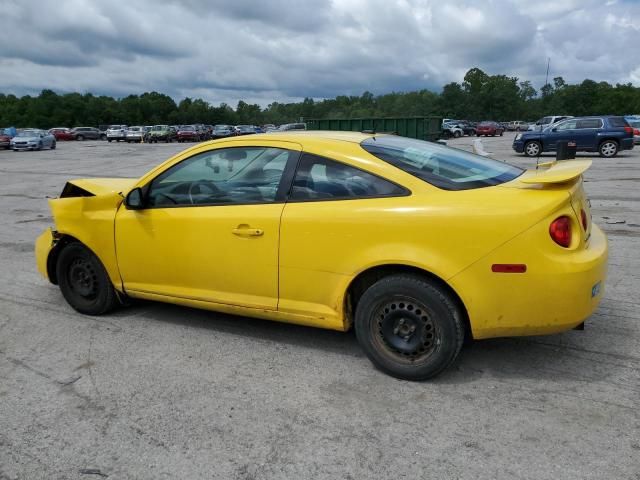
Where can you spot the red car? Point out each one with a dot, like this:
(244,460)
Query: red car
(489,128)
(4,141)
(188,133)
(62,134)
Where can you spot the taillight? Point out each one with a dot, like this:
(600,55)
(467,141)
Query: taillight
(560,231)
(628,129)
(583,218)
(636,131)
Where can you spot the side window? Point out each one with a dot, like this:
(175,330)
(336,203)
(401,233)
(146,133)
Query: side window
(319,178)
(589,123)
(223,176)
(568,125)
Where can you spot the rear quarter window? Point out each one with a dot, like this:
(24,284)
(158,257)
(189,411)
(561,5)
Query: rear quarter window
(618,122)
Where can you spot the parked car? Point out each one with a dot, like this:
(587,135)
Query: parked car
(135,134)
(320,230)
(117,133)
(468,128)
(517,125)
(292,126)
(5,140)
(635,124)
(163,133)
(88,133)
(222,131)
(245,129)
(489,128)
(450,129)
(604,134)
(189,133)
(32,139)
(62,134)
(544,122)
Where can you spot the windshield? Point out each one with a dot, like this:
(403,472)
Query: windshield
(221,127)
(156,128)
(28,133)
(188,128)
(442,167)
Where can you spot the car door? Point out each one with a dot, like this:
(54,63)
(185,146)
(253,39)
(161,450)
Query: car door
(563,131)
(587,133)
(209,229)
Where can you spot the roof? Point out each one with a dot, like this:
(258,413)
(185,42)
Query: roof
(293,135)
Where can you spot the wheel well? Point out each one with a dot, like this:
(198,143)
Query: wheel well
(609,139)
(365,279)
(52,259)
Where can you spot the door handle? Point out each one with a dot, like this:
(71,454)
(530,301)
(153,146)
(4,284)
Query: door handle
(245,231)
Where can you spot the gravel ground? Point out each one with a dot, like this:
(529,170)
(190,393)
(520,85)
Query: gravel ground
(157,391)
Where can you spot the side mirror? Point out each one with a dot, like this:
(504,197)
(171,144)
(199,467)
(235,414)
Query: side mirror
(134,200)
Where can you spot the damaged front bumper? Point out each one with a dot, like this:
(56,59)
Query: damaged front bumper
(44,244)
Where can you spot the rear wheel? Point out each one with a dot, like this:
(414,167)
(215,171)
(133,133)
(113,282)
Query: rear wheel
(608,148)
(80,138)
(409,327)
(53,145)
(532,149)
(83,281)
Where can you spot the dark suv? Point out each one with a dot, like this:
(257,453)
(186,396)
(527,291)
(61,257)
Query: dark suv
(88,133)
(606,135)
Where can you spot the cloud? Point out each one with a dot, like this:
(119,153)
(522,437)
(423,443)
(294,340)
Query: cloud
(284,50)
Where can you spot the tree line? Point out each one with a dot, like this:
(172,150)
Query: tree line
(478,97)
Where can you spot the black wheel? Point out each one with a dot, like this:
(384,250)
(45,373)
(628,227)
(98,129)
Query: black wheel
(456,134)
(39,146)
(53,145)
(80,138)
(109,140)
(409,327)
(501,132)
(103,137)
(608,148)
(532,149)
(83,281)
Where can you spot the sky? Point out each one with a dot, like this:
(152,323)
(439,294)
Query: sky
(262,51)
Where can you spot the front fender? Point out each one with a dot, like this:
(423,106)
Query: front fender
(91,221)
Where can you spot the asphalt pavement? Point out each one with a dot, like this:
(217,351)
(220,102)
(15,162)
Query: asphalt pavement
(156,391)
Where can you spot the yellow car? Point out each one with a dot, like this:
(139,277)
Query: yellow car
(414,244)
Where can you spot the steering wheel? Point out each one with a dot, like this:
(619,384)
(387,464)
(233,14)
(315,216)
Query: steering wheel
(207,184)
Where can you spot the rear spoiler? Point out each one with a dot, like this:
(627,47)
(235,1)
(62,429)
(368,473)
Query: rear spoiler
(560,172)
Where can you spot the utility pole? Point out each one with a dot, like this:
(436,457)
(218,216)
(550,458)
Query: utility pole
(546,80)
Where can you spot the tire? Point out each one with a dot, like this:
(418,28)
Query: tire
(409,327)
(109,140)
(39,147)
(608,148)
(456,134)
(501,132)
(532,148)
(80,138)
(477,134)
(517,129)
(83,281)
(103,137)
(53,145)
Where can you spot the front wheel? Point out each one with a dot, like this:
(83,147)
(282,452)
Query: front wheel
(456,134)
(80,138)
(409,327)
(532,149)
(83,281)
(608,148)
(53,145)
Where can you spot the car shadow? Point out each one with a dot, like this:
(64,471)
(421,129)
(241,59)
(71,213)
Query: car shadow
(558,357)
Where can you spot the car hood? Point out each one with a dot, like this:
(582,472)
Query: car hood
(98,186)
(26,139)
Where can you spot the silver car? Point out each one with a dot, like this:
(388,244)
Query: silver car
(135,134)
(117,133)
(32,139)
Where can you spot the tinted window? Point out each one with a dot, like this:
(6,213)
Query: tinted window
(589,123)
(324,179)
(443,167)
(224,176)
(617,122)
(568,125)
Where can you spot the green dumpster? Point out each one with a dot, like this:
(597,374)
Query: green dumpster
(422,128)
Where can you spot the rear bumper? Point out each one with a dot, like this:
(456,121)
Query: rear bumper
(627,144)
(559,290)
